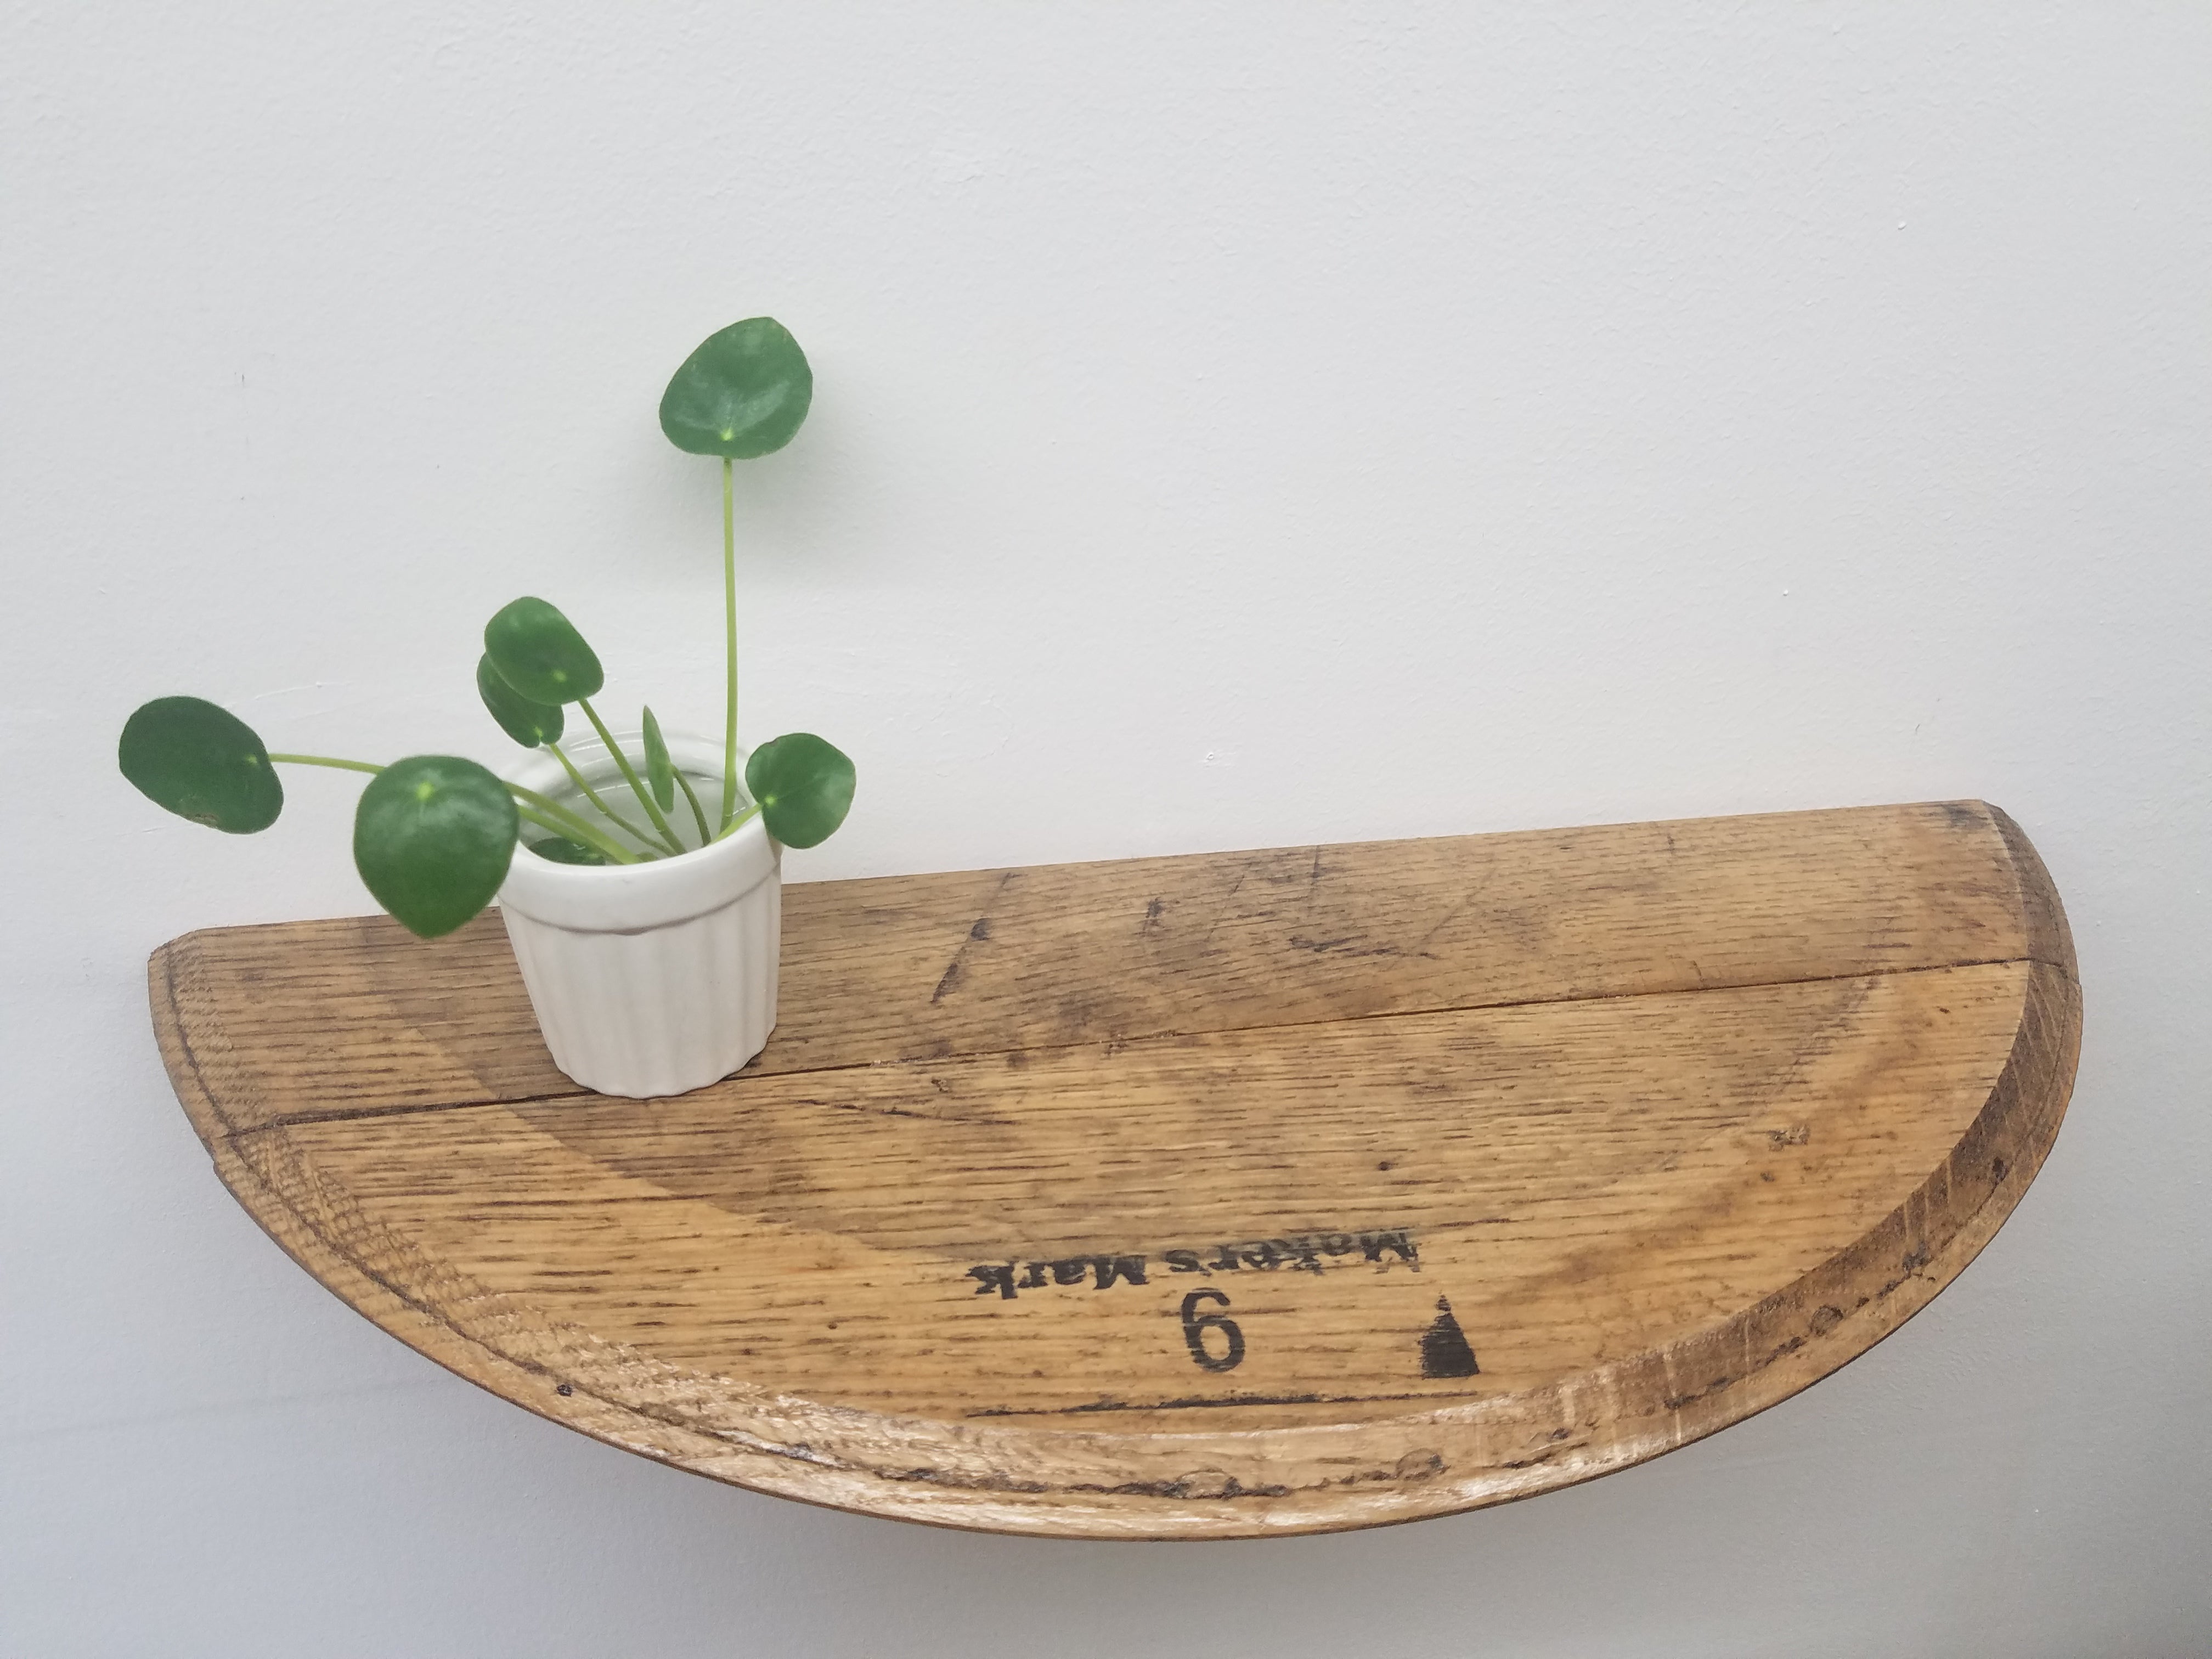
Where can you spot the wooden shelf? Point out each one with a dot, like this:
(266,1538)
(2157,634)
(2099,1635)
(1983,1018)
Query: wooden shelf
(1512,1160)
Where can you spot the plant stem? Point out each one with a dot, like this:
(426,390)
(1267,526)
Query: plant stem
(568,832)
(575,827)
(592,795)
(730,642)
(698,813)
(630,773)
(325,760)
(739,822)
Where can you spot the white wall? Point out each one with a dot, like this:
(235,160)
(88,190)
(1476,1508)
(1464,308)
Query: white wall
(1237,424)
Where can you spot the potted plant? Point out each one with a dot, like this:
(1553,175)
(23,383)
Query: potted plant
(646,931)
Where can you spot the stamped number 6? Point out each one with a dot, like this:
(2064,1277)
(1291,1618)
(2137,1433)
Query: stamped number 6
(1195,1325)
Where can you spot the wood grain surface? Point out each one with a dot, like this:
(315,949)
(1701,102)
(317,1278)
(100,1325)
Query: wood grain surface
(1226,1195)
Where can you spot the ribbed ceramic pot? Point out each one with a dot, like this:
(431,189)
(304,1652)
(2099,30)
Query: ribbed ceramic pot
(647,979)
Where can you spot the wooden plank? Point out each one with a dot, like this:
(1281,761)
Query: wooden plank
(356,1015)
(1485,1221)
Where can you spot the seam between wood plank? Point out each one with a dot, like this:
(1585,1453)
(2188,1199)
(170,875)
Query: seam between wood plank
(1091,1408)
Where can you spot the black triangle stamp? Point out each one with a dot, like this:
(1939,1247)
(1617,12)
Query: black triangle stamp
(1444,1351)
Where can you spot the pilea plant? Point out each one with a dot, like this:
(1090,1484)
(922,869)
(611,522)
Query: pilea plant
(434,834)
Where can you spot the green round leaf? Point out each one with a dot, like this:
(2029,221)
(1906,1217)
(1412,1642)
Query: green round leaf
(432,838)
(562,850)
(804,785)
(530,724)
(659,770)
(201,763)
(539,653)
(742,393)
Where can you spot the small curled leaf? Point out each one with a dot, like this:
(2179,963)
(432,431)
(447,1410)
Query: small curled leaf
(659,770)
(804,785)
(561,850)
(530,724)
(538,652)
(742,393)
(201,763)
(432,838)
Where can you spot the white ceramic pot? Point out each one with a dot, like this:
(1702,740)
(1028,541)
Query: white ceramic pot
(647,979)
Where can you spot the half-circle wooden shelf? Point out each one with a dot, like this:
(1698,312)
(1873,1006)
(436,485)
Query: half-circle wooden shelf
(1239,1195)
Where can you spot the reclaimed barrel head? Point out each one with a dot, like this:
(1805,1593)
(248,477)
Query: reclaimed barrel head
(1222,1196)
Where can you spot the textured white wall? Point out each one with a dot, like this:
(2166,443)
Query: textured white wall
(1237,424)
